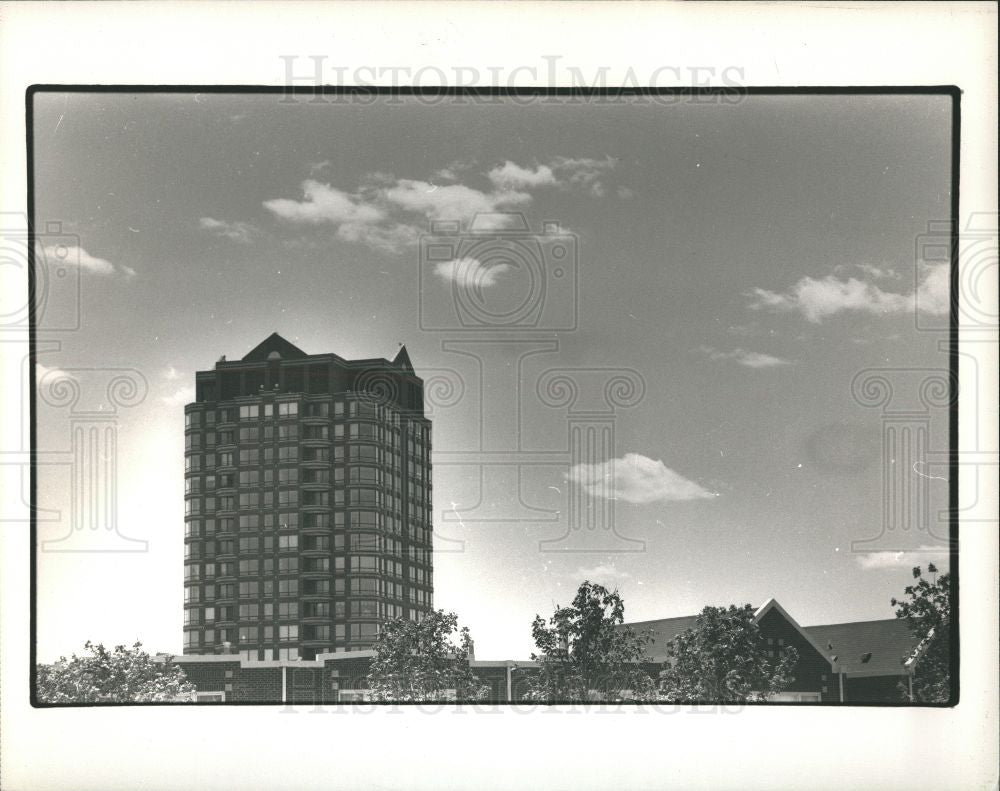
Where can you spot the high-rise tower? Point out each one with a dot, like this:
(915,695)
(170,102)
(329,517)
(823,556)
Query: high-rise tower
(307,484)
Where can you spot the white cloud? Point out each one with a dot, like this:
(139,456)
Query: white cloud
(322,203)
(450,201)
(584,173)
(820,298)
(470,273)
(635,479)
(512,175)
(242,232)
(746,358)
(389,213)
(76,256)
(356,217)
(183,396)
(894,560)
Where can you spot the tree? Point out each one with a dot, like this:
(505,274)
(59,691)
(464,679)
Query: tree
(124,675)
(928,614)
(421,662)
(723,659)
(584,653)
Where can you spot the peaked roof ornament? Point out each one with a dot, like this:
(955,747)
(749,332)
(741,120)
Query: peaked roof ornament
(402,359)
(272,344)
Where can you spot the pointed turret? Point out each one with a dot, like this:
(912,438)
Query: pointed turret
(402,360)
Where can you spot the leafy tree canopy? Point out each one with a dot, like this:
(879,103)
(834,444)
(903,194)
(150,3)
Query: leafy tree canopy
(422,662)
(927,610)
(723,659)
(584,653)
(123,675)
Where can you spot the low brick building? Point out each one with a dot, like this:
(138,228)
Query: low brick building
(860,662)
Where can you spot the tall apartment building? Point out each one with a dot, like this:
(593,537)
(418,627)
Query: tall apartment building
(307,503)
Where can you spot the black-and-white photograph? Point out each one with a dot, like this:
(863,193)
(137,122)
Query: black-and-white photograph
(484,397)
(537,395)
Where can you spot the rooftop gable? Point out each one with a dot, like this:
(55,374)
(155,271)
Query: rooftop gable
(272,345)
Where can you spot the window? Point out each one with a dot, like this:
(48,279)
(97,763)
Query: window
(249,612)
(316,520)
(364,542)
(315,542)
(288,409)
(226,459)
(288,543)
(249,499)
(364,609)
(287,453)
(249,434)
(288,476)
(316,454)
(364,453)
(315,476)
(248,567)
(288,497)
(321,498)
(288,632)
(249,412)
(316,564)
(249,590)
(249,456)
(288,587)
(317,587)
(248,634)
(364,563)
(288,564)
(288,431)
(364,585)
(364,475)
(249,478)
(288,609)
(317,632)
(316,609)
(318,410)
(288,653)
(249,522)
(316,432)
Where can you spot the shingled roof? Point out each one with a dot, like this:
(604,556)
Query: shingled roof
(887,644)
(861,647)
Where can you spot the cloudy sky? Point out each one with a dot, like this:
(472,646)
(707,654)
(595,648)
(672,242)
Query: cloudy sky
(729,268)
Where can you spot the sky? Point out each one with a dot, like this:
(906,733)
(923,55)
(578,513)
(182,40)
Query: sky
(722,270)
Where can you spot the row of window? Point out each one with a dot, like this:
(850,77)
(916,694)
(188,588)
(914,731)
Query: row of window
(290,587)
(252,634)
(291,564)
(290,454)
(366,608)
(291,432)
(291,498)
(356,542)
(195,483)
(289,520)
(313,409)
